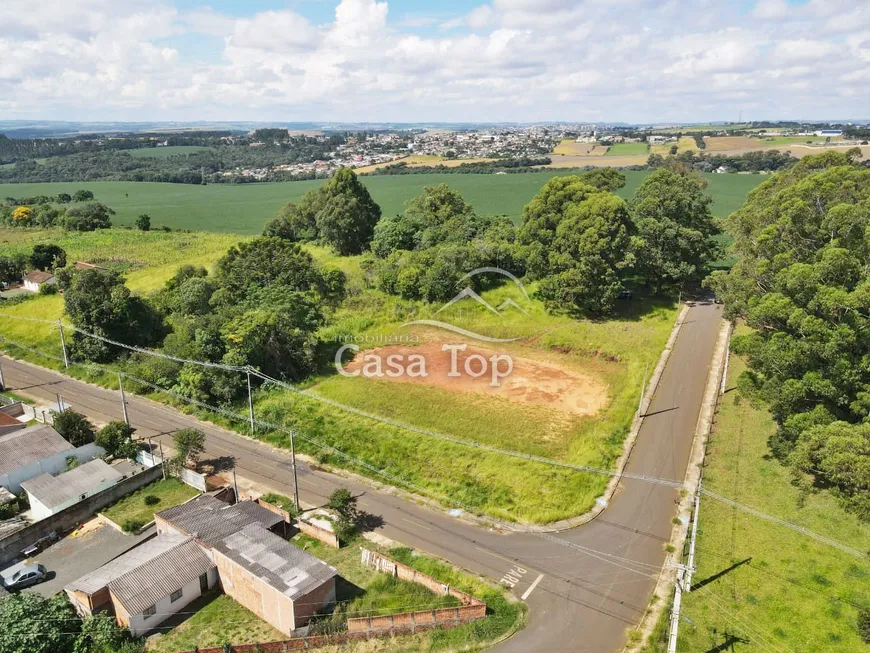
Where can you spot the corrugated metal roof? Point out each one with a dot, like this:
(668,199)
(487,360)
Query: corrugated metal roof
(210,520)
(53,491)
(164,574)
(287,568)
(21,448)
(132,559)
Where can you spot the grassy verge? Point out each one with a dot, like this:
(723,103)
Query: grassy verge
(370,592)
(218,620)
(134,508)
(759,586)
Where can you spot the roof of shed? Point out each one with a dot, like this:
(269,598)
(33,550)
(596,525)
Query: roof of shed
(210,520)
(52,491)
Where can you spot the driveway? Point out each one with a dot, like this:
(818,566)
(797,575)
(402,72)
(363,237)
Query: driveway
(75,556)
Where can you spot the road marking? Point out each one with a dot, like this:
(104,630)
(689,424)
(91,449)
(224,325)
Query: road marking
(416,524)
(513,576)
(531,587)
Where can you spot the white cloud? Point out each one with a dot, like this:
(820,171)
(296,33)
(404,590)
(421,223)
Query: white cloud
(507,60)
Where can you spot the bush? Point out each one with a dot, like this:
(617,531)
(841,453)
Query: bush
(151,500)
(48,289)
(864,624)
(132,525)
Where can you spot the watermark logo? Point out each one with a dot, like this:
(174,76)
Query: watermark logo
(409,365)
(468,293)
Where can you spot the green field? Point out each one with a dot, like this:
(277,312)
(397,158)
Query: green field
(790,140)
(169,150)
(767,586)
(627,149)
(245,208)
(169,491)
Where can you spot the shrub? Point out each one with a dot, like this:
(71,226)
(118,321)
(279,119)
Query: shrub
(132,525)
(151,500)
(864,624)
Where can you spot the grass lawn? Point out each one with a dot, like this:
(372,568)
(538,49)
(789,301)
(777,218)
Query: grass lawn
(218,620)
(171,492)
(623,149)
(367,592)
(767,586)
(245,208)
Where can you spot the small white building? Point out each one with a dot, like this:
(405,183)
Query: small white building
(34,280)
(27,453)
(49,494)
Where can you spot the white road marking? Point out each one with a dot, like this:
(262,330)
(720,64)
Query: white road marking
(425,528)
(531,587)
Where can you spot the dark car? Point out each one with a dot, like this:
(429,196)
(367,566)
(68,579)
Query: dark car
(625,294)
(25,577)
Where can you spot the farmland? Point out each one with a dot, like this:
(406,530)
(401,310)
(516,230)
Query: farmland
(244,208)
(769,587)
(170,150)
(684,144)
(570,147)
(627,149)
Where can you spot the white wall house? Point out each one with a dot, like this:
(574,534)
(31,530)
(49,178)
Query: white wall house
(49,494)
(34,280)
(27,453)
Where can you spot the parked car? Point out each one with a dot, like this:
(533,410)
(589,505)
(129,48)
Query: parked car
(25,577)
(625,294)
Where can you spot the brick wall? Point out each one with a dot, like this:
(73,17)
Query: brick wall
(318,533)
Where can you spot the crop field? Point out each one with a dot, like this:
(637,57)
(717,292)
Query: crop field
(684,144)
(768,587)
(723,143)
(245,208)
(419,160)
(627,149)
(571,147)
(169,150)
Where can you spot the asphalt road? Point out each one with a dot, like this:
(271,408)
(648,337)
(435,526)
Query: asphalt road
(585,587)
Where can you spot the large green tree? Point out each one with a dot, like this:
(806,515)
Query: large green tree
(676,228)
(347,219)
(33,624)
(97,301)
(802,243)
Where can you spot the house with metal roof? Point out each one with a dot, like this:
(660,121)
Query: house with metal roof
(275,580)
(49,494)
(29,452)
(148,584)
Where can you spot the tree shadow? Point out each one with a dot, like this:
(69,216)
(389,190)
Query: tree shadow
(719,574)
(217,465)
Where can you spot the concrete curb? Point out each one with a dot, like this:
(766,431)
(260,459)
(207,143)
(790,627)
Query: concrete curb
(665,585)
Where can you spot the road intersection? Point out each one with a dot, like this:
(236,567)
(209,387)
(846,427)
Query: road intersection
(585,587)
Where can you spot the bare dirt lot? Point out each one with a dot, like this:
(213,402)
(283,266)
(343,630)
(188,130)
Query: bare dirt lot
(529,381)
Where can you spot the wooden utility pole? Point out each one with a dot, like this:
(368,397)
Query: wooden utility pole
(123,401)
(63,344)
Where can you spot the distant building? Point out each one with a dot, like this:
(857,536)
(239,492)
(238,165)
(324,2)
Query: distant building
(27,453)
(34,280)
(49,494)
(828,133)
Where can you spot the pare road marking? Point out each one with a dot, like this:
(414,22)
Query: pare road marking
(513,576)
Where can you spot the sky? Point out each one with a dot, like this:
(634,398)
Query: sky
(637,61)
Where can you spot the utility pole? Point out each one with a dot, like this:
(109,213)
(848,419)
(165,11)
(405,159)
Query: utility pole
(235,484)
(63,344)
(162,460)
(642,390)
(2,382)
(59,403)
(123,401)
(675,612)
(250,402)
(295,480)
(691,561)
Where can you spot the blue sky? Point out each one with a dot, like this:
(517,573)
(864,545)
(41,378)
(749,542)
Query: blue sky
(452,60)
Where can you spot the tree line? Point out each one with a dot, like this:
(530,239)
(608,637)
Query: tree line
(801,282)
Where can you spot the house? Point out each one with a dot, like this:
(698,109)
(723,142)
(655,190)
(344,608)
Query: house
(148,584)
(275,580)
(49,494)
(34,280)
(29,452)
(8,423)
(829,133)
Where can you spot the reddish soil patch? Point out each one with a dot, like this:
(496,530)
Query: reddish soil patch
(529,382)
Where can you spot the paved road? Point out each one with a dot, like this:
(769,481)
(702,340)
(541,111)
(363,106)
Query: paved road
(579,600)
